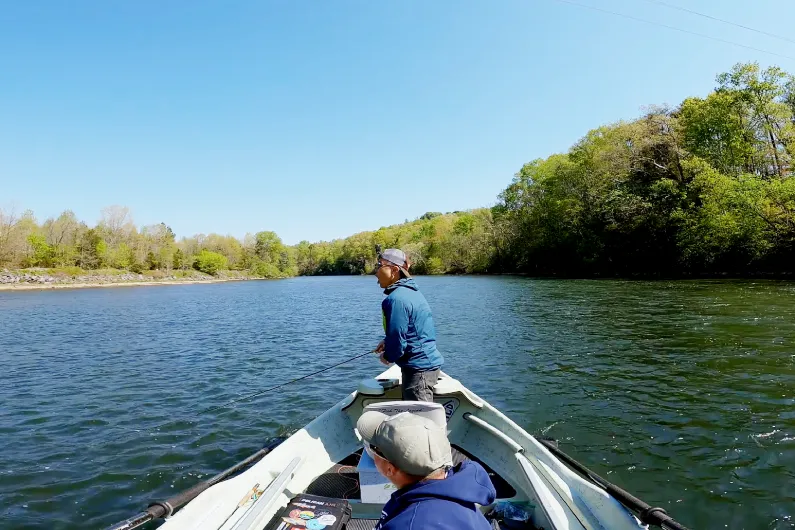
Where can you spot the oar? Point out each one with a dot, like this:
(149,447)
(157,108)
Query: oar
(645,512)
(166,508)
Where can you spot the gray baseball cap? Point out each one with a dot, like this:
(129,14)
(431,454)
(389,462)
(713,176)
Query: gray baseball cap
(396,256)
(414,444)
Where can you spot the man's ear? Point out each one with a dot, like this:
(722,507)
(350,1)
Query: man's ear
(390,469)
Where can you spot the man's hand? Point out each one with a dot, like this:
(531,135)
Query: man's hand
(379,348)
(383,360)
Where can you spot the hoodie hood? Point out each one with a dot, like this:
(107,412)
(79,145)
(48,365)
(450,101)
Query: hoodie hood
(466,483)
(403,282)
(447,504)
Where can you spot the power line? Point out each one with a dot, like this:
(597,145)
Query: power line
(638,19)
(692,12)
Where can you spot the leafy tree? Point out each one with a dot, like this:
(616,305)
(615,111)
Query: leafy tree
(152,261)
(210,262)
(703,187)
(178,260)
(91,250)
(42,254)
(430,215)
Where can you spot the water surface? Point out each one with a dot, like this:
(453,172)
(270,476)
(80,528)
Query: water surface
(681,392)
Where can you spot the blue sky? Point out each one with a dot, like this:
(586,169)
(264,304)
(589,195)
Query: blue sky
(319,119)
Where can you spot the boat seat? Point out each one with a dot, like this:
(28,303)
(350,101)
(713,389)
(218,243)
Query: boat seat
(432,411)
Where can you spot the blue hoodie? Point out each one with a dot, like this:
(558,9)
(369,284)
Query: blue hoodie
(447,504)
(410,340)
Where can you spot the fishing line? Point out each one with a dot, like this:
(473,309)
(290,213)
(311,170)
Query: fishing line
(646,21)
(692,12)
(197,417)
(281,385)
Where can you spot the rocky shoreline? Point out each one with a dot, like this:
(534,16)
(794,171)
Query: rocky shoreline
(45,279)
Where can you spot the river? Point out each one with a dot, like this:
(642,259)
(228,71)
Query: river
(681,392)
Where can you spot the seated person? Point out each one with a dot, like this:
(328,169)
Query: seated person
(414,454)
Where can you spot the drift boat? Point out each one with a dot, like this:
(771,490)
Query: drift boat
(538,486)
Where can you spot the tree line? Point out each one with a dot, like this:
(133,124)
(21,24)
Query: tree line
(438,243)
(702,188)
(705,187)
(115,242)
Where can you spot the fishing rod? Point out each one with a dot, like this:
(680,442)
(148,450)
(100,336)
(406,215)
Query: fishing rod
(645,512)
(280,385)
(159,509)
(166,508)
(255,394)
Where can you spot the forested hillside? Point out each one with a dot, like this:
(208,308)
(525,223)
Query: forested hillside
(705,187)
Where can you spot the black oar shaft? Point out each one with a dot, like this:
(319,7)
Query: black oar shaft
(166,508)
(645,512)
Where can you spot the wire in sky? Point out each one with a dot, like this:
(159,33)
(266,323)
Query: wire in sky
(638,19)
(692,12)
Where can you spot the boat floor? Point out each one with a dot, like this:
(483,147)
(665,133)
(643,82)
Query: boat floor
(361,524)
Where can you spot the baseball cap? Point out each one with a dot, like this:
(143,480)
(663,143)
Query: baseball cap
(396,256)
(414,444)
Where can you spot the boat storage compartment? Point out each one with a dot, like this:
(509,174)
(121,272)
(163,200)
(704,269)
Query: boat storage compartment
(310,512)
(375,488)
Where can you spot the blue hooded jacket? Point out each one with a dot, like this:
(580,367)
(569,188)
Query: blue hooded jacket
(447,504)
(410,340)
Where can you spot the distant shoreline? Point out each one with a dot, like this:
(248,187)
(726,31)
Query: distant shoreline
(38,279)
(87,283)
(92,285)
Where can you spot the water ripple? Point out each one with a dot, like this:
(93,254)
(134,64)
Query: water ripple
(681,392)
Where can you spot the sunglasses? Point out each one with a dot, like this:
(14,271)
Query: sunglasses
(374,451)
(378,265)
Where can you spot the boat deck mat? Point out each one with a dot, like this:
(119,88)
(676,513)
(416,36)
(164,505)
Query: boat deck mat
(342,480)
(361,524)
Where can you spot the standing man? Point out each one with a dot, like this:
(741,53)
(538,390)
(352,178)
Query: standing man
(410,339)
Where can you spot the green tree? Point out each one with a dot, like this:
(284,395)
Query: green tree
(91,250)
(152,261)
(764,93)
(42,254)
(178,261)
(210,262)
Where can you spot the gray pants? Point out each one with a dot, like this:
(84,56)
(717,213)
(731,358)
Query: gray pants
(418,386)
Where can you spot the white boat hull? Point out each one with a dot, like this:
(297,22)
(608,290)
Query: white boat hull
(560,498)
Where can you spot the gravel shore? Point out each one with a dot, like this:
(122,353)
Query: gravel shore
(43,279)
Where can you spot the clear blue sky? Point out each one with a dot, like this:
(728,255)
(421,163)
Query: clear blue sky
(319,119)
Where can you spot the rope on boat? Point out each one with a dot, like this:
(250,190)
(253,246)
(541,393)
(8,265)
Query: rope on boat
(276,387)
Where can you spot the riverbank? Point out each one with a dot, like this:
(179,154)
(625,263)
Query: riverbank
(30,279)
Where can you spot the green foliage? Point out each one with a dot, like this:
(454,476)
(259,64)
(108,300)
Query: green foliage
(461,242)
(702,188)
(430,215)
(121,257)
(152,261)
(42,254)
(178,259)
(210,262)
(91,250)
(266,270)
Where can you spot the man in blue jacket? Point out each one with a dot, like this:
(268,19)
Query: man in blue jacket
(414,454)
(410,339)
